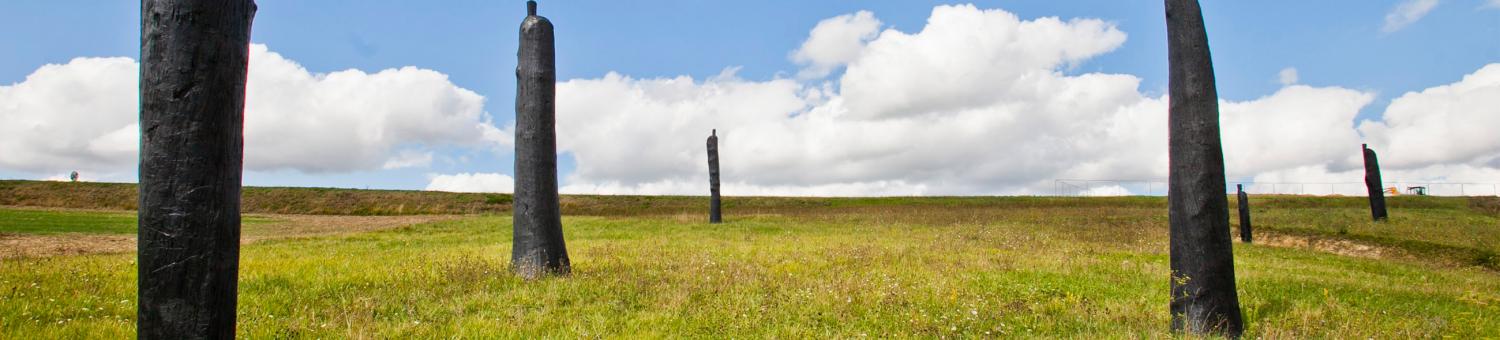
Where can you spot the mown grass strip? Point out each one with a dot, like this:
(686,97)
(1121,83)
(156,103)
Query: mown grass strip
(46,222)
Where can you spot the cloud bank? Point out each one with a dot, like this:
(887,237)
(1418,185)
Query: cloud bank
(834,42)
(75,116)
(472,182)
(980,102)
(351,120)
(976,102)
(82,116)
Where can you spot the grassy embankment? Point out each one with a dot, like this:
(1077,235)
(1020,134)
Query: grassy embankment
(817,267)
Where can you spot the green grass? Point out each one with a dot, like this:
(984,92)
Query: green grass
(1453,229)
(897,267)
(44,222)
(26,221)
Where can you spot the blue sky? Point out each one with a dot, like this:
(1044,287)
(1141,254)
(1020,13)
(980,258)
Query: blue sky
(1330,43)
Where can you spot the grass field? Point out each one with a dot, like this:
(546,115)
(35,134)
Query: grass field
(922,267)
(27,221)
(35,221)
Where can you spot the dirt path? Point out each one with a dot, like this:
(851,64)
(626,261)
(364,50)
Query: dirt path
(23,245)
(281,227)
(1327,245)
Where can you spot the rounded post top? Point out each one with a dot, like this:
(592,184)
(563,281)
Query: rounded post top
(530,7)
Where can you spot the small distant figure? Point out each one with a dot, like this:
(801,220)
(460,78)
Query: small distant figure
(73,177)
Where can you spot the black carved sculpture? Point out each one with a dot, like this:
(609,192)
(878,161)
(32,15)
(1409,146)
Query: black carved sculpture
(714,213)
(1244,200)
(194,59)
(537,247)
(1373,184)
(1202,261)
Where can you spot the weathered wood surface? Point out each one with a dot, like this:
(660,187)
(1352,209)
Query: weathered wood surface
(194,59)
(1244,202)
(537,248)
(1203,298)
(1373,184)
(715,212)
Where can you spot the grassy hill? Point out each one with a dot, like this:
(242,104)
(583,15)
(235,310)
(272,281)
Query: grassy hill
(333,201)
(270,200)
(793,267)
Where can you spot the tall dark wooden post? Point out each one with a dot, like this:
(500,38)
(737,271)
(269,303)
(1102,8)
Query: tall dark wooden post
(194,60)
(1373,184)
(537,247)
(1244,200)
(1204,300)
(714,212)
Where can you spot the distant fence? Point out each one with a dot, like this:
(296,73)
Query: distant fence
(1106,187)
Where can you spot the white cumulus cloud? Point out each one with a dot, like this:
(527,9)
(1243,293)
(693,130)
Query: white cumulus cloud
(1296,126)
(82,116)
(977,102)
(1287,76)
(1454,123)
(75,116)
(472,182)
(834,42)
(351,120)
(968,58)
(1440,137)
(1406,13)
